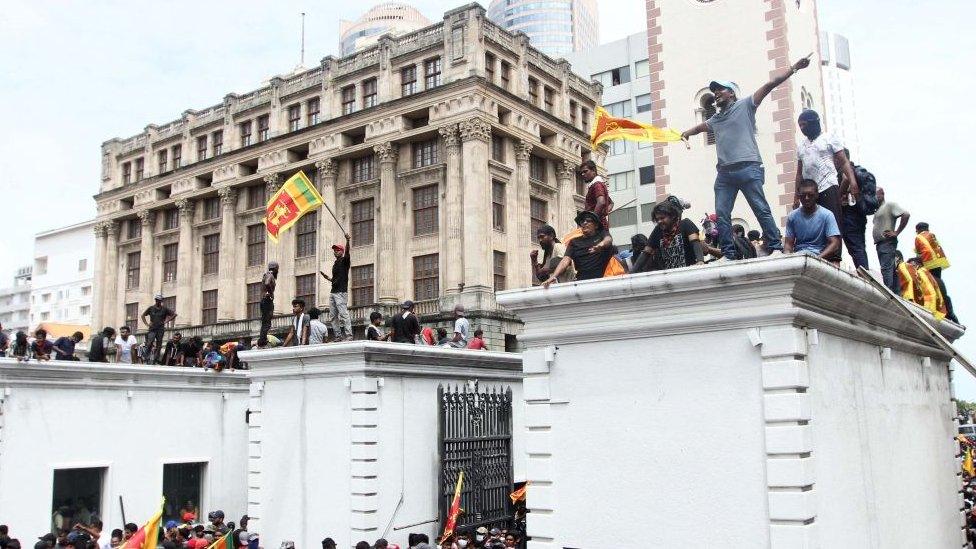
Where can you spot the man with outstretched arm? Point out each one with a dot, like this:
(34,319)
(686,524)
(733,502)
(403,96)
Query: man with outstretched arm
(739,165)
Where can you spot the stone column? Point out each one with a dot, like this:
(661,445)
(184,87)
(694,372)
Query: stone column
(523,226)
(184,265)
(452,260)
(475,136)
(329,231)
(566,185)
(387,286)
(98,281)
(146,250)
(110,298)
(227,294)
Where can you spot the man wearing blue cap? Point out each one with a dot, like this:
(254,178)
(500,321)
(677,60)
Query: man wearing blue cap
(739,164)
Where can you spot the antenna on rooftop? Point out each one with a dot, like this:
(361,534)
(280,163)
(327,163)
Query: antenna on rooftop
(302,63)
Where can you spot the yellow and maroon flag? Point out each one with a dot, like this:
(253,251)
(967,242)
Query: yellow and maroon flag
(519,495)
(147,536)
(455,511)
(608,128)
(294,199)
(224,542)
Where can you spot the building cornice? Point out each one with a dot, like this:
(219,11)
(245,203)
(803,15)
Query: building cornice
(798,290)
(92,375)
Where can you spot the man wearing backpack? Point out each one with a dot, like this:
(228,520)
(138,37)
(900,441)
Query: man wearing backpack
(855,213)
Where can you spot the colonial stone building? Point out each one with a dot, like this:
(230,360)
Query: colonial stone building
(439,151)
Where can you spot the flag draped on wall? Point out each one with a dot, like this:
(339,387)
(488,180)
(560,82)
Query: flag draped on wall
(147,536)
(294,199)
(455,512)
(608,128)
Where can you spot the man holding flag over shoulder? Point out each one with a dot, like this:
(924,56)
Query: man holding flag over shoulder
(147,536)
(740,166)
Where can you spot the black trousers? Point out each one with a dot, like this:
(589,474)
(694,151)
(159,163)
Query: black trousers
(830,199)
(154,343)
(267,309)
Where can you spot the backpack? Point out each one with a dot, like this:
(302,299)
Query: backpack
(869,188)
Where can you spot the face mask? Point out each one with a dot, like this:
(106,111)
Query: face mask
(462,543)
(479,538)
(812,130)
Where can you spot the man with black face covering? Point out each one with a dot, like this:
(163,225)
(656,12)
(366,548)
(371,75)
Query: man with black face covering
(820,158)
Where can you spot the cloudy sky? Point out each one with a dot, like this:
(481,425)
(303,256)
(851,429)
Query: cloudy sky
(76,73)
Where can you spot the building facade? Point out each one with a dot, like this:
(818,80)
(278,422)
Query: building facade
(839,103)
(15,303)
(391,17)
(622,68)
(61,288)
(556,27)
(748,43)
(440,151)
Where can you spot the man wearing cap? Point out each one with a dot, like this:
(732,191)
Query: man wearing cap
(339,297)
(462,328)
(739,166)
(588,253)
(267,301)
(552,253)
(404,326)
(158,315)
(821,158)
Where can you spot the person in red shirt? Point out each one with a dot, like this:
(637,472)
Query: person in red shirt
(597,195)
(478,341)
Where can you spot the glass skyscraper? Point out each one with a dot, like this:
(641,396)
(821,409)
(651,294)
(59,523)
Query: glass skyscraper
(557,27)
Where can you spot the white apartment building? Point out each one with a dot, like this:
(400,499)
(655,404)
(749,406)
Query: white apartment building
(61,289)
(15,302)
(841,108)
(391,18)
(555,27)
(621,67)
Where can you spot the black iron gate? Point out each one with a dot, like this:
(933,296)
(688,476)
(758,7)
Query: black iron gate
(475,436)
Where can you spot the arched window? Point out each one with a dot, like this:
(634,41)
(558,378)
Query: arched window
(806,98)
(705,109)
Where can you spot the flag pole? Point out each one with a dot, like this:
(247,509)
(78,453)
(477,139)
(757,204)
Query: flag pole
(339,223)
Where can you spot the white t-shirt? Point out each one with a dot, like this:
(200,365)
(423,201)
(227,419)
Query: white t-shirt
(316,331)
(125,347)
(462,326)
(817,157)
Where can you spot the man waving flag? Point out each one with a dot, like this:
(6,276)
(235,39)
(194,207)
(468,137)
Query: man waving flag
(146,536)
(609,128)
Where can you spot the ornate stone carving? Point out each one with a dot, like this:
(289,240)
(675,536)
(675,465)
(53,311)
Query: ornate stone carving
(475,128)
(112,228)
(327,168)
(449,134)
(522,150)
(272,180)
(100,230)
(565,169)
(147,218)
(386,152)
(228,196)
(185,206)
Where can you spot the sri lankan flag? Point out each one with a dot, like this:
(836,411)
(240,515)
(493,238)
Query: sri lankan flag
(519,495)
(225,542)
(146,536)
(293,200)
(455,512)
(608,128)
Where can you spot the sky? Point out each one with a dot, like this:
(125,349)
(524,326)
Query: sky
(76,73)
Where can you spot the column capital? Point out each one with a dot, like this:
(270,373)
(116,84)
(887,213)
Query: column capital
(565,169)
(112,228)
(327,167)
(185,206)
(449,134)
(475,127)
(272,180)
(228,196)
(522,150)
(147,218)
(386,152)
(100,230)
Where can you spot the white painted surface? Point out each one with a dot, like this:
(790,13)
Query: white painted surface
(343,431)
(62,292)
(750,398)
(68,414)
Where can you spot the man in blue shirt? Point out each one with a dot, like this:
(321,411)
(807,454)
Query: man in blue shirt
(811,228)
(64,347)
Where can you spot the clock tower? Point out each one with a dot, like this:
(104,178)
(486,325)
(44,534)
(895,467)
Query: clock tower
(692,42)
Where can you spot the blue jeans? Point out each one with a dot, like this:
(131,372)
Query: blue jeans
(886,262)
(749,180)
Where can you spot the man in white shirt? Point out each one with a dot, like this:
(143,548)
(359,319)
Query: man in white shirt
(461,329)
(820,158)
(126,345)
(317,330)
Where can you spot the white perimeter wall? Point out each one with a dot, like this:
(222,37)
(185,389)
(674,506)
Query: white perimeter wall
(67,415)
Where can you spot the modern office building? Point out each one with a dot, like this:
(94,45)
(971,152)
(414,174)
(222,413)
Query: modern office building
(555,27)
(622,68)
(747,43)
(440,151)
(392,18)
(61,285)
(15,303)
(841,107)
